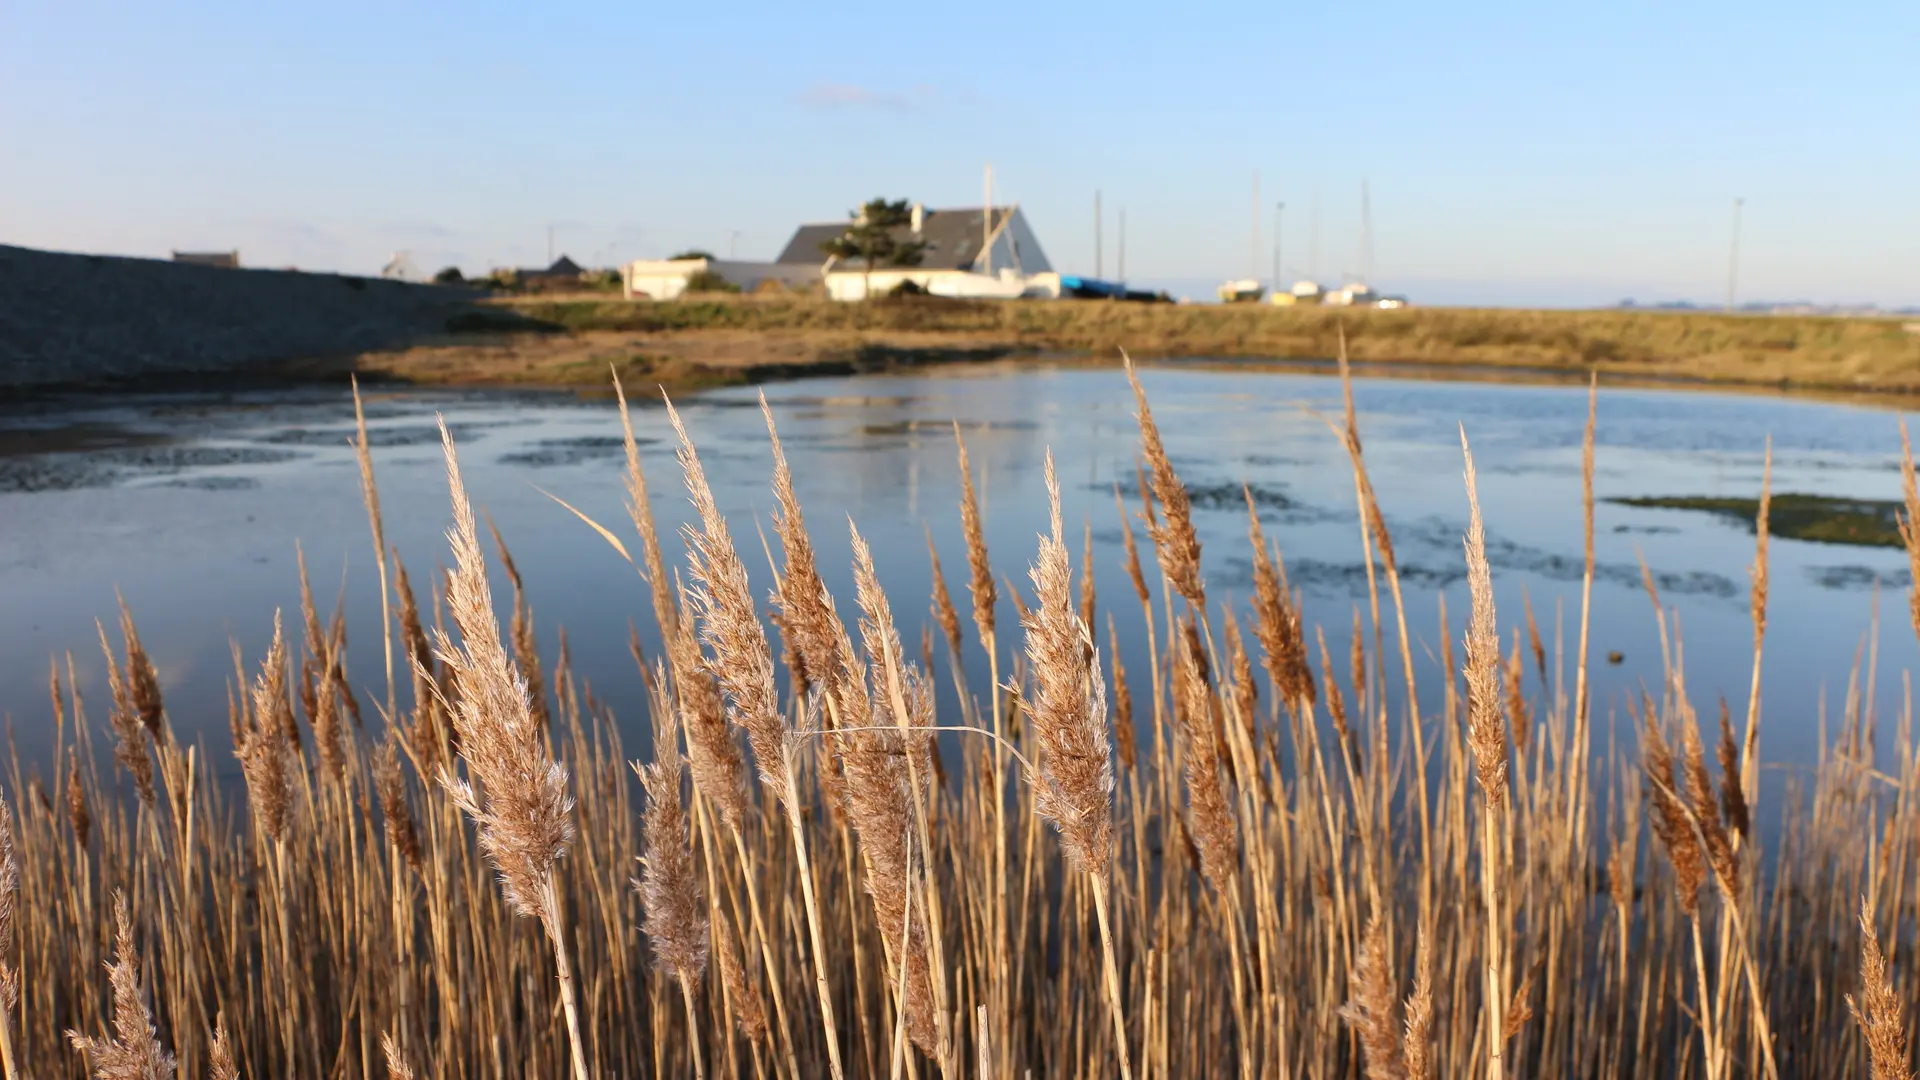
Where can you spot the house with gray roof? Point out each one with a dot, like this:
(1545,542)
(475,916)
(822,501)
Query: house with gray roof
(967,251)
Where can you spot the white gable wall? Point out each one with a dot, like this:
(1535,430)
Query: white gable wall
(1016,247)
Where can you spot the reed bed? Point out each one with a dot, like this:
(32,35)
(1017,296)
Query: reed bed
(1238,863)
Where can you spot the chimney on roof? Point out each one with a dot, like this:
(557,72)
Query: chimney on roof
(919,217)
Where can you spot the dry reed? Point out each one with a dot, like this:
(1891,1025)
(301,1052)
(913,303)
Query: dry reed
(133,1051)
(344,913)
(520,806)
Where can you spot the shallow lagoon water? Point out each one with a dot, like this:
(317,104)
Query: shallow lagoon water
(191,508)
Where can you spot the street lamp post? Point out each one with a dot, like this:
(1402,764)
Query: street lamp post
(1733,255)
(1278,209)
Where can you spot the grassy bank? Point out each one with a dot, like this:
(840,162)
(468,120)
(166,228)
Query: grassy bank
(1223,865)
(1819,518)
(1836,354)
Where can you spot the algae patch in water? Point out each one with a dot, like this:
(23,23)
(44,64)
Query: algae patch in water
(1819,518)
(69,472)
(551,452)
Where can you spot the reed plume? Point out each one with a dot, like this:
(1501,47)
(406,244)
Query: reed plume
(802,596)
(1519,717)
(675,916)
(1705,810)
(748,1013)
(397,1067)
(1419,1031)
(881,795)
(514,791)
(265,757)
(1134,575)
(424,735)
(1486,732)
(143,682)
(133,1051)
(1212,819)
(129,734)
(526,651)
(1669,822)
(1733,798)
(1126,740)
(9,970)
(640,509)
(722,602)
(944,612)
(712,754)
(1487,739)
(220,1063)
(1372,1007)
(980,570)
(1069,710)
(1879,1009)
(79,813)
(1087,594)
(1283,643)
(1175,543)
(391,789)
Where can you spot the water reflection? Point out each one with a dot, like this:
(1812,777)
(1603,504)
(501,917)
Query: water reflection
(192,507)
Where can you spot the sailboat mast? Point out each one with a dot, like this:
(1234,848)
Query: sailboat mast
(986,226)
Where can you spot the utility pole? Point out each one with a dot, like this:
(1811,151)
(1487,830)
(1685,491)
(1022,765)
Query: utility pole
(1366,236)
(1098,221)
(1123,245)
(1253,238)
(1733,255)
(1279,210)
(1313,244)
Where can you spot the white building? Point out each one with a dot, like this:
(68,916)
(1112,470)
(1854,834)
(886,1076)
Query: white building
(965,253)
(666,279)
(1353,294)
(402,268)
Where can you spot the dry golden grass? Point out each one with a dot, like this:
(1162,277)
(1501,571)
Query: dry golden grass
(1288,876)
(711,340)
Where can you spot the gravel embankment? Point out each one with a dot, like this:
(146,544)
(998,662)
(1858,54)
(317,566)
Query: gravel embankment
(70,320)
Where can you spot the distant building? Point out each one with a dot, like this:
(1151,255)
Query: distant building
(401,268)
(667,279)
(965,253)
(563,274)
(227,259)
(1243,291)
(1303,292)
(1355,294)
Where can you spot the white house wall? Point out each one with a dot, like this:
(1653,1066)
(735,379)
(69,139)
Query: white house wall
(666,279)
(1015,247)
(852,284)
(1032,259)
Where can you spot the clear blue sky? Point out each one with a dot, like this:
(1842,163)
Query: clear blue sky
(1558,153)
